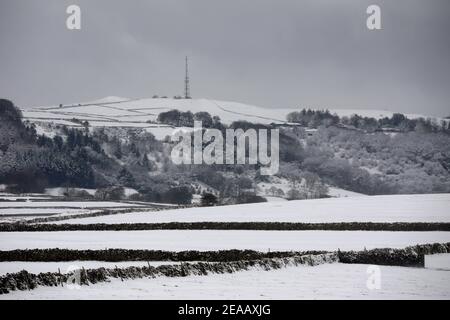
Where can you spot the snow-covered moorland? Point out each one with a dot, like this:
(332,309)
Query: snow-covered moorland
(135,112)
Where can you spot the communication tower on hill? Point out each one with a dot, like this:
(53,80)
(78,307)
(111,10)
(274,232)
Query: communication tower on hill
(187,94)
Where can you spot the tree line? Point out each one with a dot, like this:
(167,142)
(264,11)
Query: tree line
(315,118)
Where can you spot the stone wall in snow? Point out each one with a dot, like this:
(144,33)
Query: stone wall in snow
(27,281)
(409,256)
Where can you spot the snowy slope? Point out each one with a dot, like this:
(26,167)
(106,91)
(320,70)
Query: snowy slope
(390,208)
(132,112)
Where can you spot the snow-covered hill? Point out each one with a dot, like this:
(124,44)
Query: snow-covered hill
(124,112)
(117,109)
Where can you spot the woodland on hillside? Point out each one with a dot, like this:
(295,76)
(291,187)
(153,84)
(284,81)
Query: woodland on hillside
(360,154)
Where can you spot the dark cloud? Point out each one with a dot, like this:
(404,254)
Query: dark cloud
(275,53)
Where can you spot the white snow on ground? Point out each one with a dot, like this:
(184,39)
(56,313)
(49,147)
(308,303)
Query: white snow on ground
(130,191)
(328,281)
(111,99)
(14,197)
(392,208)
(161,133)
(57,192)
(39,211)
(339,193)
(283,184)
(148,109)
(70,204)
(22,198)
(118,124)
(45,129)
(41,115)
(438,261)
(14,211)
(205,240)
(63,266)
(275,199)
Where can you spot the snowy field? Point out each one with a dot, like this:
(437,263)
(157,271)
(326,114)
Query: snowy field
(327,281)
(65,204)
(206,240)
(391,208)
(438,261)
(339,193)
(41,211)
(22,198)
(332,281)
(25,210)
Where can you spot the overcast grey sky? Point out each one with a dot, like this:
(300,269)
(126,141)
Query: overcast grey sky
(272,53)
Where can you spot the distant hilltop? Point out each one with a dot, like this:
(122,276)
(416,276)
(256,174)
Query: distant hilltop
(120,111)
